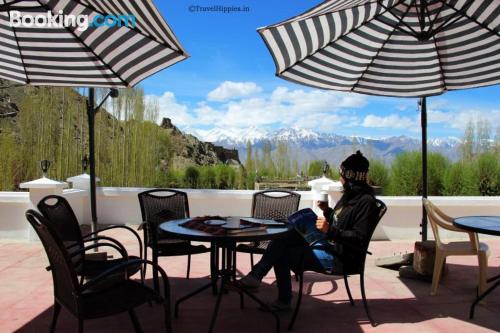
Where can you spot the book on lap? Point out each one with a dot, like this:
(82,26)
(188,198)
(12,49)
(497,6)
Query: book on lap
(304,222)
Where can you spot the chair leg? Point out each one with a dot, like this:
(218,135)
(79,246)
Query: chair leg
(234,265)
(483,271)
(80,325)
(251,260)
(135,322)
(299,301)
(438,269)
(57,309)
(363,296)
(348,290)
(189,266)
(156,283)
(168,316)
(145,258)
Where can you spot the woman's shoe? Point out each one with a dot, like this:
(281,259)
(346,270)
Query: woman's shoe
(249,282)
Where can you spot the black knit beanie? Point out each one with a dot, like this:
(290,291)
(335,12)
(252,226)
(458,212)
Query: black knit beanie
(355,167)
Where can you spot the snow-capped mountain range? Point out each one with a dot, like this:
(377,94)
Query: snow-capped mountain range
(307,145)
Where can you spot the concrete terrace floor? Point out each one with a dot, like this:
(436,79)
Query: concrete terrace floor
(398,305)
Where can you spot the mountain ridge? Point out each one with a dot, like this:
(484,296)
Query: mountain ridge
(309,145)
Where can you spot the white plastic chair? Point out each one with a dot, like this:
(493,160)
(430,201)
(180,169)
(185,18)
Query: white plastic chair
(438,220)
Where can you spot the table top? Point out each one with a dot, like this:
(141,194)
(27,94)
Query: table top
(173,228)
(481,224)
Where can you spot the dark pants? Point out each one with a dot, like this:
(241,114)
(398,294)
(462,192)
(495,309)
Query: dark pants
(284,254)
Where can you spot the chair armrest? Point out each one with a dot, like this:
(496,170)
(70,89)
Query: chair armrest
(82,250)
(119,227)
(121,267)
(96,238)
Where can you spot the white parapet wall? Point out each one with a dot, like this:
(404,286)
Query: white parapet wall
(121,206)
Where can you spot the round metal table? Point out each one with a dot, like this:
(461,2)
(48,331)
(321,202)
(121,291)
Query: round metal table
(489,225)
(481,224)
(224,269)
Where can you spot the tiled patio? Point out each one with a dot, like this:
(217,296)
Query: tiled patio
(399,305)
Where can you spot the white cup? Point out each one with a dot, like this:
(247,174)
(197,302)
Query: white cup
(321,197)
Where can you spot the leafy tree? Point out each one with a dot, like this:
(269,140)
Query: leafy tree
(467,146)
(315,168)
(249,163)
(483,130)
(283,164)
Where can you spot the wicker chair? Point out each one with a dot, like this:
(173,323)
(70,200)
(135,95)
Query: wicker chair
(160,205)
(270,204)
(349,268)
(61,217)
(101,296)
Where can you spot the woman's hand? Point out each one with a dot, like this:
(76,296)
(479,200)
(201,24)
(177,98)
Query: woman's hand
(322,225)
(323,205)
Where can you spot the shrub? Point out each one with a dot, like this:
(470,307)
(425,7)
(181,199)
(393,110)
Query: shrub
(378,174)
(406,174)
(459,180)
(437,165)
(191,177)
(487,174)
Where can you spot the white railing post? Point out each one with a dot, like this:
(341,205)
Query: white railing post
(39,189)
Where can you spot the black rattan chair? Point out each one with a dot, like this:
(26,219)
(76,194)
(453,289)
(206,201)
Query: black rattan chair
(274,205)
(62,218)
(100,296)
(349,268)
(160,205)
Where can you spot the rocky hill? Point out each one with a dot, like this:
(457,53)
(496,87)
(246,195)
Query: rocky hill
(184,149)
(190,150)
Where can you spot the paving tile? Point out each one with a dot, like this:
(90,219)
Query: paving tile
(398,305)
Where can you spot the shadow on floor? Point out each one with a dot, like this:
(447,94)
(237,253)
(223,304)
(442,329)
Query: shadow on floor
(325,308)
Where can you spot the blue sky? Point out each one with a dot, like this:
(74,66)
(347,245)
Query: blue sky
(229,82)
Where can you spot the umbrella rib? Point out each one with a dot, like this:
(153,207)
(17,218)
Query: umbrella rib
(9,6)
(378,51)
(346,33)
(411,32)
(20,52)
(432,22)
(455,18)
(441,71)
(152,37)
(91,50)
(475,20)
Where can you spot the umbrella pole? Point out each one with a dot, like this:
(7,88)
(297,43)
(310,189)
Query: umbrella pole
(91,120)
(423,117)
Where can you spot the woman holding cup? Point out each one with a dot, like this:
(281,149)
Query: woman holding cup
(345,224)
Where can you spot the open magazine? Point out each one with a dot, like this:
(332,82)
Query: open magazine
(304,221)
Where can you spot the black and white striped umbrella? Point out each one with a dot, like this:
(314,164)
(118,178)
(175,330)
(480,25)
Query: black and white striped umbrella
(402,48)
(407,48)
(85,43)
(37,47)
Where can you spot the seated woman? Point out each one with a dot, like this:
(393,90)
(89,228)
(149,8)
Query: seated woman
(345,226)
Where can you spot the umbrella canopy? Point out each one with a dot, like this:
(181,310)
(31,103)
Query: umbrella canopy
(37,47)
(404,48)
(85,43)
(407,48)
